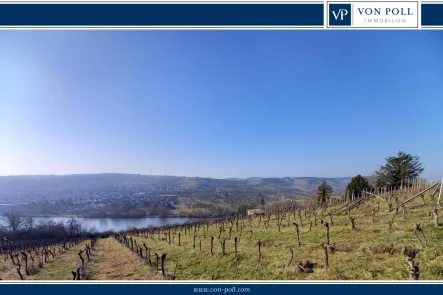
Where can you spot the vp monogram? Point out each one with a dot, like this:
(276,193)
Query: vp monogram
(340,14)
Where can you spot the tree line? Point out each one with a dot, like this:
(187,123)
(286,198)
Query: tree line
(19,228)
(398,171)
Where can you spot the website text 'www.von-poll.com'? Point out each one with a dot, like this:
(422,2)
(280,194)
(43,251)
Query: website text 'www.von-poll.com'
(222,290)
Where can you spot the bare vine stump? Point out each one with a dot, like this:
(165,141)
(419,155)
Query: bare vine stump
(292,256)
(390,223)
(325,249)
(25,257)
(74,274)
(352,220)
(331,219)
(12,259)
(19,272)
(194,242)
(404,212)
(222,245)
(327,233)
(87,253)
(163,263)
(310,225)
(212,245)
(418,230)
(78,274)
(298,234)
(235,246)
(259,250)
(81,257)
(157,258)
(435,213)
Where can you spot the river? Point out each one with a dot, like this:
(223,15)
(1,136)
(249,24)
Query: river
(115,224)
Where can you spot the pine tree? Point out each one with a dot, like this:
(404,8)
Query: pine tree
(324,191)
(357,185)
(399,168)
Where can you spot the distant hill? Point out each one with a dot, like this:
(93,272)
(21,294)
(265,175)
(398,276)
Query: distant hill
(54,183)
(305,184)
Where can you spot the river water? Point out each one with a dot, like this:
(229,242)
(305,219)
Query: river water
(115,224)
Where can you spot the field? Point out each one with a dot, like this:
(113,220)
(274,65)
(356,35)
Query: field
(373,250)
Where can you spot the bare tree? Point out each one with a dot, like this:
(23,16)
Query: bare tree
(28,223)
(13,220)
(74,227)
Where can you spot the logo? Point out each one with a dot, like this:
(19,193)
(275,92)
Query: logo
(340,14)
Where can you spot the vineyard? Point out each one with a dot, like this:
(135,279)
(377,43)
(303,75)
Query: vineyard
(394,235)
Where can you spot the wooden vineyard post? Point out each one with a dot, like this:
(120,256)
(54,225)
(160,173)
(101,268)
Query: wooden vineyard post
(235,246)
(222,244)
(439,194)
(259,250)
(325,250)
(298,234)
(157,258)
(435,213)
(327,232)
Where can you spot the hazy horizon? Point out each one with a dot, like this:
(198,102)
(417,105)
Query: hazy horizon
(219,104)
(156,175)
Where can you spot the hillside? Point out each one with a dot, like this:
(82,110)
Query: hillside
(35,184)
(305,184)
(270,247)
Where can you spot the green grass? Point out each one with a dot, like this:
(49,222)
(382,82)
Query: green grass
(113,261)
(61,267)
(371,252)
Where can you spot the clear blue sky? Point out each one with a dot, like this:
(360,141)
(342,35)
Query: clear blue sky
(219,103)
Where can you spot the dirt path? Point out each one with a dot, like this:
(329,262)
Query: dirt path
(113,261)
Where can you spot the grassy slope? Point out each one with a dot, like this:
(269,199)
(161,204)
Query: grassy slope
(56,268)
(116,262)
(8,271)
(63,265)
(371,252)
